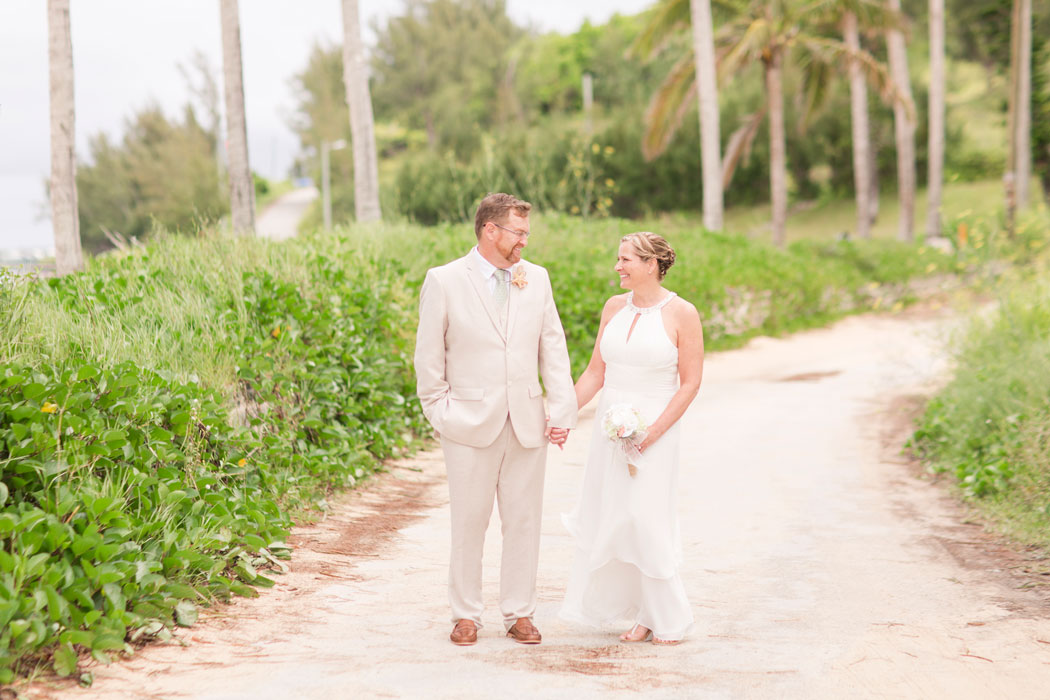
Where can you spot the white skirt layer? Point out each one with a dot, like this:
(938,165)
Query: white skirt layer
(628,547)
(619,592)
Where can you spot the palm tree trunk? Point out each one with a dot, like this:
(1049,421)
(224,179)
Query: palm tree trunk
(710,130)
(904,131)
(1023,164)
(362,124)
(858,93)
(242,191)
(873,179)
(935,178)
(65,219)
(777,147)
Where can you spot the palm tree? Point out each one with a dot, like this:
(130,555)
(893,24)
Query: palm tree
(362,126)
(904,130)
(64,215)
(758,32)
(672,101)
(1021,101)
(242,190)
(853,15)
(858,92)
(710,136)
(935,178)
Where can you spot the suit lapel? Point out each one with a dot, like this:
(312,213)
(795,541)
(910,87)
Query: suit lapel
(485,296)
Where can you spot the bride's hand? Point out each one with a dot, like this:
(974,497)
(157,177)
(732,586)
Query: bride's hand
(652,436)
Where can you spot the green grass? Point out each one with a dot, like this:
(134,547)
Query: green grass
(826,220)
(990,426)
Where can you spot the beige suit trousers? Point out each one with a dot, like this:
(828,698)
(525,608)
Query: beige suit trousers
(513,476)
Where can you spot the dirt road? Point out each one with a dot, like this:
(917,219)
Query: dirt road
(281,219)
(819,566)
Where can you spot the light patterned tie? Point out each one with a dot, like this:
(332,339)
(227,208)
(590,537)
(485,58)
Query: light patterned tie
(499,295)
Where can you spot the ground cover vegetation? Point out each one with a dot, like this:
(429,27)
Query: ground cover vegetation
(165,414)
(989,428)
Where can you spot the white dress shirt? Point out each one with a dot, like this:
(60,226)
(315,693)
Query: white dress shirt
(488,270)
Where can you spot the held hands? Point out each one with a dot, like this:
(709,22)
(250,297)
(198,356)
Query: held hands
(557,436)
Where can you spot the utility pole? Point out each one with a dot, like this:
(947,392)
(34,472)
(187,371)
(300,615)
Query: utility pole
(326,178)
(588,102)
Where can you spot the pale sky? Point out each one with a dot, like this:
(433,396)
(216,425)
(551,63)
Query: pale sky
(126,55)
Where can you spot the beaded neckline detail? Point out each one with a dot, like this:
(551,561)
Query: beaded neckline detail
(647,309)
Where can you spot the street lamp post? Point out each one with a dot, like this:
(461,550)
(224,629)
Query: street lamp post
(326,185)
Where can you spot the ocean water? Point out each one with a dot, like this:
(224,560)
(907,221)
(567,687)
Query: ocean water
(24,217)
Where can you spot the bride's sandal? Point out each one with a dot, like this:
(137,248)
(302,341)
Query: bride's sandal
(636,634)
(666,642)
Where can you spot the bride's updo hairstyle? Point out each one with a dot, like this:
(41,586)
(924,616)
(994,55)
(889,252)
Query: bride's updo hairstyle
(652,246)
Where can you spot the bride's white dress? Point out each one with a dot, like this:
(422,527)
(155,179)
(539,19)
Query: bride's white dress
(628,546)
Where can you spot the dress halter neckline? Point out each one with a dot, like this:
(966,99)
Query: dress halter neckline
(648,309)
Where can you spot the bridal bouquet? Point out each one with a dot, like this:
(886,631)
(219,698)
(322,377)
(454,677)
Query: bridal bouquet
(624,426)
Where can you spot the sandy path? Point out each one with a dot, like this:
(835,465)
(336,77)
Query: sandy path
(281,219)
(817,564)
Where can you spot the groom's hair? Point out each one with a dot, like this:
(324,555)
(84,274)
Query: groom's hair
(495,208)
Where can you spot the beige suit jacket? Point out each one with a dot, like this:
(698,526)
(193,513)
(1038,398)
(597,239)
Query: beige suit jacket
(471,374)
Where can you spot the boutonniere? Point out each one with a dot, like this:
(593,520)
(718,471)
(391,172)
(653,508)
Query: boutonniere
(519,280)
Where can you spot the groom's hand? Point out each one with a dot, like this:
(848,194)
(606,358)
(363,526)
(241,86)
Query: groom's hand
(557,436)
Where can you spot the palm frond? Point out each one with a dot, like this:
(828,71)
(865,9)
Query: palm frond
(875,15)
(817,77)
(872,15)
(739,146)
(667,18)
(668,106)
(741,43)
(836,53)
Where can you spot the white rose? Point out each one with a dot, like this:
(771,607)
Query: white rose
(624,418)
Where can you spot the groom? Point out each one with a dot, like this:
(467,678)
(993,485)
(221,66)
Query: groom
(488,328)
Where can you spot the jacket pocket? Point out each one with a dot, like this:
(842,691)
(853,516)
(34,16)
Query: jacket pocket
(467,393)
(535,390)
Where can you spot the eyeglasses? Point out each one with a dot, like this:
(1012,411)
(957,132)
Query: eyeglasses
(519,234)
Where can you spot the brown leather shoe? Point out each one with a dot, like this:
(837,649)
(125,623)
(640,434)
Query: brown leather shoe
(524,632)
(464,634)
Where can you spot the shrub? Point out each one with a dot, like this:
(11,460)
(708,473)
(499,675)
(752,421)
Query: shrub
(990,426)
(163,414)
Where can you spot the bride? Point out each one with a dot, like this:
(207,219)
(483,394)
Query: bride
(649,354)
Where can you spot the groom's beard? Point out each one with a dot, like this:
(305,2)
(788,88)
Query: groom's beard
(512,254)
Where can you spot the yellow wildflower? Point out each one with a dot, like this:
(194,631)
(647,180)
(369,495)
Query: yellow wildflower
(241,462)
(276,332)
(49,407)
